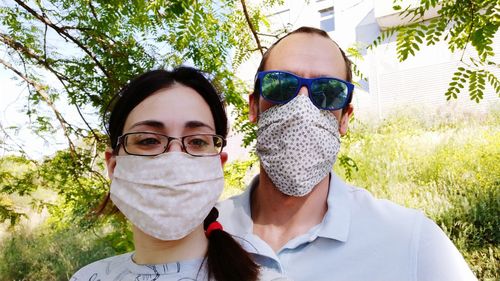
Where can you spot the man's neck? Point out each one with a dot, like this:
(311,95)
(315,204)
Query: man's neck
(149,250)
(278,218)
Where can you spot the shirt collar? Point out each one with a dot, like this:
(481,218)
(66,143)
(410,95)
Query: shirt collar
(337,220)
(241,228)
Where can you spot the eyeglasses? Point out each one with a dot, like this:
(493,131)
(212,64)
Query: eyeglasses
(152,144)
(325,92)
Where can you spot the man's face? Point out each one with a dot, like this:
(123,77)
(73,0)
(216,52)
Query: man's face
(308,56)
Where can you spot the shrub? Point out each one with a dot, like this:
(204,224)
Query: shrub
(48,254)
(448,169)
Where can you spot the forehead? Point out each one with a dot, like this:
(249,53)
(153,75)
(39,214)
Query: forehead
(307,55)
(174,107)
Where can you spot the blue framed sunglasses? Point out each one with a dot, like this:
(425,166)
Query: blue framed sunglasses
(325,92)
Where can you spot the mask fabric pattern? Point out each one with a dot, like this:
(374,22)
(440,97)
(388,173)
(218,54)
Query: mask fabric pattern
(169,195)
(297,144)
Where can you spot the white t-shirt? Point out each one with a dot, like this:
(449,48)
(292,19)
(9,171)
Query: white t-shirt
(123,268)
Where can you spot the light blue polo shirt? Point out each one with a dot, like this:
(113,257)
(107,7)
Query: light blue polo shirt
(360,238)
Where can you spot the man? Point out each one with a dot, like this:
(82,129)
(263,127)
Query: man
(296,215)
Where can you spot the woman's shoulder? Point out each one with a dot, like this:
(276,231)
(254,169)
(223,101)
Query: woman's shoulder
(267,274)
(111,266)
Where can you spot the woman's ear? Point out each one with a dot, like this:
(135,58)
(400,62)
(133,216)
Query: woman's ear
(110,161)
(223,157)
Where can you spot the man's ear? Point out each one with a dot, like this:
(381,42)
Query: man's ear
(110,161)
(344,119)
(223,157)
(253,103)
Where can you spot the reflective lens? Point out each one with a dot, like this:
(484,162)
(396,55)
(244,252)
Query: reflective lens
(279,86)
(328,93)
(324,92)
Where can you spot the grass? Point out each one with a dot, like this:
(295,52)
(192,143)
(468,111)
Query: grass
(447,166)
(46,254)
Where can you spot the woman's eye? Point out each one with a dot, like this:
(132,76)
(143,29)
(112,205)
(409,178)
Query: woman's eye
(198,142)
(148,141)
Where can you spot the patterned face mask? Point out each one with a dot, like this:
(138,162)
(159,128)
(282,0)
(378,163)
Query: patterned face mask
(297,144)
(169,195)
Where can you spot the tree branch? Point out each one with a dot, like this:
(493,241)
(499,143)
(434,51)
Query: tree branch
(66,35)
(92,9)
(250,25)
(471,27)
(19,147)
(29,53)
(268,35)
(87,123)
(40,89)
(45,43)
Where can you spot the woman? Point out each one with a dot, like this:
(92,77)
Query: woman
(167,131)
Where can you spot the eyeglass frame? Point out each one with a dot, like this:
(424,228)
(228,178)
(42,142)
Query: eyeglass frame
(304,82)
(121,142)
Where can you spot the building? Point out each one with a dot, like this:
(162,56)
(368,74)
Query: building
(419,81)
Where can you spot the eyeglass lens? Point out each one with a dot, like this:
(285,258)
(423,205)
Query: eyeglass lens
(149,144)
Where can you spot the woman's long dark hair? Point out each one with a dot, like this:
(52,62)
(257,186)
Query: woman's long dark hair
(226,259)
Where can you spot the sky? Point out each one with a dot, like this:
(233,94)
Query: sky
(14,94)
(13,98)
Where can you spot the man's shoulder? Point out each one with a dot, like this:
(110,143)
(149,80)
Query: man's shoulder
(364,200)
(229,204)
(233,214)
(101,267)
(383,216)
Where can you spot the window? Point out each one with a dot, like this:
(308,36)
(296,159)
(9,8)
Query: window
(279,19)
(327,20)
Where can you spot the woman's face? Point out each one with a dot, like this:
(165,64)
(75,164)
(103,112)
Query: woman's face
(176,111)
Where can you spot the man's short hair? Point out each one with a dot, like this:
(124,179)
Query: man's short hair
(308,30)
(305,30)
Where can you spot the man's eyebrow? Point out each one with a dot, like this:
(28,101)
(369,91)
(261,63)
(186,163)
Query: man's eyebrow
(310,75)
(197,124)
(150,123)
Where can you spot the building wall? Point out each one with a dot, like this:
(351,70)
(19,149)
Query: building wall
(419,81)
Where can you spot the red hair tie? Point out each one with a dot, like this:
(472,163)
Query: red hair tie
(213,226)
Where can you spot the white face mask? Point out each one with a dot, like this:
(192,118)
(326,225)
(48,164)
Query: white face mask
(169,195)
(297,144)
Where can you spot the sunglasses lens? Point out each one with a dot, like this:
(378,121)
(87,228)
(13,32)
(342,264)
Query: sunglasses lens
(279,87)
(329,94)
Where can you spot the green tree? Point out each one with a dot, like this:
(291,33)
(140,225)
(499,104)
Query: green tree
(81,52)
(460,23)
